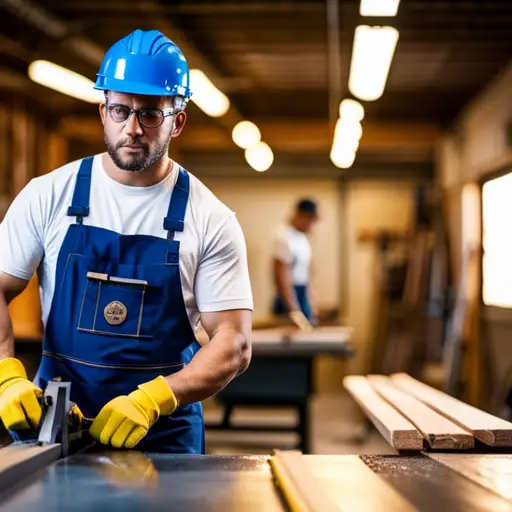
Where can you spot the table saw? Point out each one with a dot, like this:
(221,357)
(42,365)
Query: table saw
(111,480)
(63,469)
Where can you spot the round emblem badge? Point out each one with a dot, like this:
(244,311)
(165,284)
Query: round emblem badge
(115,313)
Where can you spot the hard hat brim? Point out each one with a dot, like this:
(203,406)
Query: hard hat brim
(104,83)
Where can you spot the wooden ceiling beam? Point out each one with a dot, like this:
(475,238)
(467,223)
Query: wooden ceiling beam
(308,137)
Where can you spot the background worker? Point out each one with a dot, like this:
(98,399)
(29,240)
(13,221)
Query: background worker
(292,266)
(131,251)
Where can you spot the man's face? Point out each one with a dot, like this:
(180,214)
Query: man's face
(305,221)
(133,146)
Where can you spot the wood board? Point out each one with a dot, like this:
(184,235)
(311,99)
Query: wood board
(354,486)
(487,428)
(310,486)
(302,491)
(17,461)
(439,432)
(397,430)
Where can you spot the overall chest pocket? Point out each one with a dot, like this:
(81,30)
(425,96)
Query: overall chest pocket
(114,306)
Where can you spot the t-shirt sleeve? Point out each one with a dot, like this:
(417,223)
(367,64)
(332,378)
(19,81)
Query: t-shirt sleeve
(21,234)
(281,249)
(222,279)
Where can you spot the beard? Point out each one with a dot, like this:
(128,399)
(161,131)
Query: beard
(137,162)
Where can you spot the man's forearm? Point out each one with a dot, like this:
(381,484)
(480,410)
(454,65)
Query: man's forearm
(6,334)
(285,287)
(212,368)
(286,291)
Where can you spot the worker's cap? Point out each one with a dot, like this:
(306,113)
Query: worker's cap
(307,206)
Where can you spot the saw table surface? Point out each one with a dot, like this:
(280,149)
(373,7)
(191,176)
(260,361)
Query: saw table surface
(132,481)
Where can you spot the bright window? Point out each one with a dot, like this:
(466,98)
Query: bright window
(497,241)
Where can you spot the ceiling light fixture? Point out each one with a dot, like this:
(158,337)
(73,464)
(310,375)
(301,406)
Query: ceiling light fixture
(372,53)
(259,156)
(246,134)
(379,7)
(64,81)
(347,134)
(206,96)
(352,110)
(343,157)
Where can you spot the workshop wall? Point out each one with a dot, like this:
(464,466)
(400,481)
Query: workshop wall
(31,146)
(263,206)
(371,206)
(479,145)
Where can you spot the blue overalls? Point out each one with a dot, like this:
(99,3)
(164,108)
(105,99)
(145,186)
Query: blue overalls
(118,317)
(301,293)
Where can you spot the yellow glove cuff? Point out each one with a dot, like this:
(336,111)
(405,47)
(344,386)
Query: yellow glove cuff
(161,394)
(11,368)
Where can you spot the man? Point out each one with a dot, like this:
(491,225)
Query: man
(132,252)
(292,267)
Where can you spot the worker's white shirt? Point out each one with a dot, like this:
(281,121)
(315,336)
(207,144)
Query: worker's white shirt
(213,256)
(292,247)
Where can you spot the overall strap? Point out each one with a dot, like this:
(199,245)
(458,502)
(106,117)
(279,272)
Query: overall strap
(175,220)
(80,205)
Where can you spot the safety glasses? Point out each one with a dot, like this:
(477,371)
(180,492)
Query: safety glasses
(147,117)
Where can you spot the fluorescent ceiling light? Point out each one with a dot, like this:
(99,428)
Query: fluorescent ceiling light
(206,96)
(343,157)
(351,110)
(259,156)
(379,7)
(347,133)
(246,134)
(64,81)
(372,53)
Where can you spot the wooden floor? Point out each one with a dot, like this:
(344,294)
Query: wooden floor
(337,426)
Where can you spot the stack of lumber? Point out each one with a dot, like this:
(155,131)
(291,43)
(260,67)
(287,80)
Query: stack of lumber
(413,416)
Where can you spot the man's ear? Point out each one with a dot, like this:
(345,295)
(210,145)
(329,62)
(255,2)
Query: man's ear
(103,111)
(179,123)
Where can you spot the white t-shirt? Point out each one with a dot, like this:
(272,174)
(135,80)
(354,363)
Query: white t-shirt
(213,255)
(292,247)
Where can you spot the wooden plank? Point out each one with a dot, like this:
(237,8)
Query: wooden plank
(487,428)
(492,471)
(397,430)
(301,490)
(282,135)
(20,461)
(439,432)
(355,487)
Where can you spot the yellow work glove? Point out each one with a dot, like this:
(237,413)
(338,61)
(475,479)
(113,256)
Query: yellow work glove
(125,420)
(77,420)
(20,408)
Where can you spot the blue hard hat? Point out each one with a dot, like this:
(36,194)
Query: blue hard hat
(145,62)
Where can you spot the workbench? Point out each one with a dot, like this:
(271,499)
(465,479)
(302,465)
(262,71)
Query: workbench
(98,480)
(281,375)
